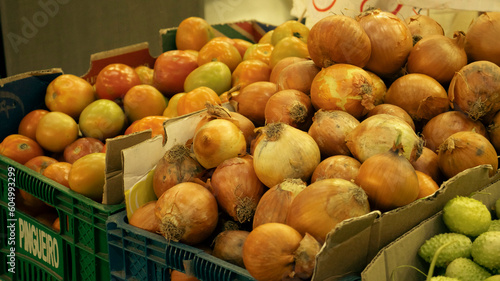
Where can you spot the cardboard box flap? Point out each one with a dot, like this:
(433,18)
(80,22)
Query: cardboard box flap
(133,55)
(20,94)
(113,187)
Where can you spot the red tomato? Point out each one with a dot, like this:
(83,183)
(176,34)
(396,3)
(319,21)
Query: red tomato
(20,148)
(40,163)
(28,124)
(114,80)
(69,94)
(82,147)
(171,69)
(155,123)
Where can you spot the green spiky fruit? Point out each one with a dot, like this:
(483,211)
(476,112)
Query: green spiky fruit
(443,278)
(466,270)
(461,247)
(493,278)
(485,250)
(467,216)
(495,225)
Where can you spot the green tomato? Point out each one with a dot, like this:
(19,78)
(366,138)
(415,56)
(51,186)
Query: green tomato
(102,119)
(214,75)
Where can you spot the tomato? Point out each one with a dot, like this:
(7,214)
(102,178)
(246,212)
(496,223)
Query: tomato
(20,148)
(81,147)
(58,172)
(143,100)
(155,123)
(114,80)
(242,45)
(290,28)
(171,110)
(28,124)
(267,38)
(218,50)
(40,163)
(69,94)
(215,75)
(102,119)
(192,33)
(145,74)
(288,47)
(56,130)
(196,99)
(87,176)
(171,69)
(259,51)
(250,71)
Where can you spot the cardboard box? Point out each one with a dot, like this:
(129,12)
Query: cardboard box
(403,251)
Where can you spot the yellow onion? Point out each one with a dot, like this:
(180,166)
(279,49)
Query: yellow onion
(329,129)
(428,163)
(271,250)
(418,94)
(177,165)
(343,87)
(426,185)
(494,131)
(438,56)
(228,246)
(388,179)
(282,151)
(338,39)
(217,141)
(237,188)
(144,217)
(439,128)
(323,204)
(298,76)
(292,107)
(187,212)
(379,88)
(391,109)
(475,90)
(391,41)
(274,204)
(422,26)
(251,100)
(482,38)
(378,133)
(337,166)
(464,150)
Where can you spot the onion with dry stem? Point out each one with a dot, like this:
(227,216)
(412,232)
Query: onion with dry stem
(144,217)
(282,151)
(464,150)
(482,38)
(251,100)
(329,129)
(237,188)
(323,204)
(292,107)
(422,26)
(391,109)
(388,179)
(275,203)
(187,212)
(428,163)
(228,246)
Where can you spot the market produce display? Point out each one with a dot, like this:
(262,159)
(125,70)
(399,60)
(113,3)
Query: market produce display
(301,130)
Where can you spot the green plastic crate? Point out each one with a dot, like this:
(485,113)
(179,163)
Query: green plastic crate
(78,252)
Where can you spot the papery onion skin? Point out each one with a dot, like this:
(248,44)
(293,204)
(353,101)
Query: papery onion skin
(292,107)
(228,246)
(422,26)
(464,150)
(438,56)
(439,128)
(282,64)
(338,39)
(337,166)
(379,88)
(391,41)
(274,204)
(144,217)
(188,213)
(268,251)
(388,179)
(323,204)
(475,90)
(176,166)
(329,129)
(418,94)
(343,87)
(428,163)
(482,38)
(237,188)
(426,185)
(282,151)
(217,141)
(391,109)
(298,76)
(305,257)
(251,101)
(378,133)
(494,131)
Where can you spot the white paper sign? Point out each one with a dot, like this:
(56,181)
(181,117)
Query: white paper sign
(477,5)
